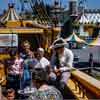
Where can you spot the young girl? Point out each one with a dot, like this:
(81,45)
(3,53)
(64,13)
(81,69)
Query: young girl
(15,70)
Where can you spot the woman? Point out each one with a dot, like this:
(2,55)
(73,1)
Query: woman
(28,65)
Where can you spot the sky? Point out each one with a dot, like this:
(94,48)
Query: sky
(90,3)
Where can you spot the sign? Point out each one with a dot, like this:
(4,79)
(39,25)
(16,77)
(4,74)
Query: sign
(8,40)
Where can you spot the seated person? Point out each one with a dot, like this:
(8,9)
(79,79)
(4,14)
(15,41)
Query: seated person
(41,59)
(44,91)
(62,64)
(45,63)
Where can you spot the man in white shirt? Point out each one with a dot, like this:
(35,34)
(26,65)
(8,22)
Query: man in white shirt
(41,59)
(45,64)
(62,61)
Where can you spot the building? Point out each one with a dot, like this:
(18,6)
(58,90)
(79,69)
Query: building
(85,21)
(89,22)
(14,28)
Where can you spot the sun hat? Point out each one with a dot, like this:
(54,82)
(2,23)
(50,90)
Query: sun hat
(58,43)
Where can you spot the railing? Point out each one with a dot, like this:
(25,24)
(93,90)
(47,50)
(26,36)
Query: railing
(83,86)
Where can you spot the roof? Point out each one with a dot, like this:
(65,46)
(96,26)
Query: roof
(89,18)
(21,30)
(25,30)
(74,38)
(10,15)
(12,20)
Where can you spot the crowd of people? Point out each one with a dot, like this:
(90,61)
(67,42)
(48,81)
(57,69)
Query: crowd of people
(31,76)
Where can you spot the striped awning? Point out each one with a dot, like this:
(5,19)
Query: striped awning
(74,38)
(89,18)
(83,19)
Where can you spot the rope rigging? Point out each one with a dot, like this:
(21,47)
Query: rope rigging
(40,8)
(42,11)
(33,7)
(45,12)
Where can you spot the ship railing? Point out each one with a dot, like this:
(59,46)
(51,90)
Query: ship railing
(83,86)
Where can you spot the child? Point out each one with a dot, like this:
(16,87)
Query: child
(10,94)
(15,70)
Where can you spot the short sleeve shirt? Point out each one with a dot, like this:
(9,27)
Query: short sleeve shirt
(43,62)
(49,94)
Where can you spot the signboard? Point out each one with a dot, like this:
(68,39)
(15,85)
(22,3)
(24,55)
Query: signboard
(8,40)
